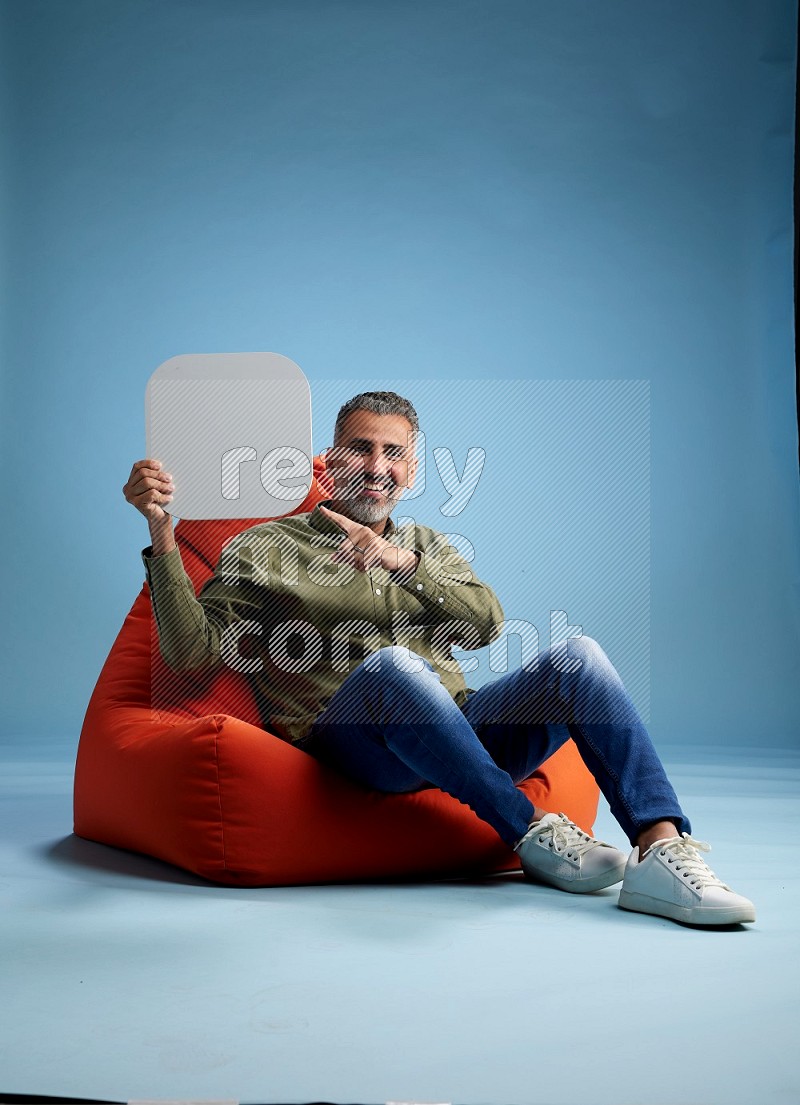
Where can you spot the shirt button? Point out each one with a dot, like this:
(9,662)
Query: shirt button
(377,590)
(419,586)
(441,599)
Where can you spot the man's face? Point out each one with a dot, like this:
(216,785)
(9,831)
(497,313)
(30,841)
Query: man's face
(371,462)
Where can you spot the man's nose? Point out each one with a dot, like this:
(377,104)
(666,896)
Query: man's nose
(376,464)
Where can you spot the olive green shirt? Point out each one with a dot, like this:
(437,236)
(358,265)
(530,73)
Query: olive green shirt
(297,624)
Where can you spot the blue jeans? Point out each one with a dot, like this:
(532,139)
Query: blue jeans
(394,727)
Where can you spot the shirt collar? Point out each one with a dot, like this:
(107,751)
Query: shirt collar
(318,521)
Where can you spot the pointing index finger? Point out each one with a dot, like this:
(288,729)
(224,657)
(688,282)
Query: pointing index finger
(346,524)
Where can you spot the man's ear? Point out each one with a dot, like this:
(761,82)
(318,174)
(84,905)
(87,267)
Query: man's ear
(325,478)
(412,471)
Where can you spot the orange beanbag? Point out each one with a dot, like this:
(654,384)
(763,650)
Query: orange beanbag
(177,766)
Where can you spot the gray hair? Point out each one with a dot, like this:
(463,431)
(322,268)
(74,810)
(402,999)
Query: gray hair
(379,402)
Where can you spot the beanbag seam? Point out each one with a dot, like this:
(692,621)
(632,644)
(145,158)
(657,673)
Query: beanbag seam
(218,729)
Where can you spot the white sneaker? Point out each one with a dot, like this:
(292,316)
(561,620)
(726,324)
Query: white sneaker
(673,880)
(554,850)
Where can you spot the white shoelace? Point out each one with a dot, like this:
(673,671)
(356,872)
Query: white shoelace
(566,836)
(684,852)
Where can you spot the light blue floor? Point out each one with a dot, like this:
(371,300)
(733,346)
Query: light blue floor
(124,978)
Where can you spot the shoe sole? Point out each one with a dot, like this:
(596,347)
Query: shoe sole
(690,915)
(579,886)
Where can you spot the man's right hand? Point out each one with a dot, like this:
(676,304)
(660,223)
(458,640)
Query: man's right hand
(149,487)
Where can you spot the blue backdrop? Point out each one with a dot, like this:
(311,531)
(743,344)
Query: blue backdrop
(500,205)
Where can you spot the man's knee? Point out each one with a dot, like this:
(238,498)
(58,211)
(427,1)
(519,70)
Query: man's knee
(392,659)
(587,650)
(578,654)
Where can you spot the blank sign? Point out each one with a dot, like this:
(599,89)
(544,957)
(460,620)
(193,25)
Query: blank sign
(234,430)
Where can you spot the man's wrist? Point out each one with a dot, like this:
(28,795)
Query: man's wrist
(404,563)
(411,562)
(162,537)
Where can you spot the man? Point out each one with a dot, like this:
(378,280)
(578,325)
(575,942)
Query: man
(304,592)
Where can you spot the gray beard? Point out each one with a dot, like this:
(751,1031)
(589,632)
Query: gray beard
(367,511)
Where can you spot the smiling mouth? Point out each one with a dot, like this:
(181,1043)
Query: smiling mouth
(352,490)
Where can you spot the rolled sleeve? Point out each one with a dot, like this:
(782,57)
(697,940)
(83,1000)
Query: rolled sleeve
(446,585)
(187,638)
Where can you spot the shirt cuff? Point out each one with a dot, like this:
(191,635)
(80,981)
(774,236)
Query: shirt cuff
(164,569)
(432,587)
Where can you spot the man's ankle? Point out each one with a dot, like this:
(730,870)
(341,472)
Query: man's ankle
(658,830)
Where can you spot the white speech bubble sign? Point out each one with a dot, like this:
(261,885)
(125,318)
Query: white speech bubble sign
(234,431)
